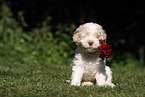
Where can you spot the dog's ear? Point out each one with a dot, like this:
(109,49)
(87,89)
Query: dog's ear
(104,36)
(76,37)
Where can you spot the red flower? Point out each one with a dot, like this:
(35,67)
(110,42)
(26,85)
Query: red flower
(105,50)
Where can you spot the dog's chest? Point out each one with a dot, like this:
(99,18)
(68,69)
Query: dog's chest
(91,67)
(91,63)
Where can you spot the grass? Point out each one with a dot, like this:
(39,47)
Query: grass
(46,80)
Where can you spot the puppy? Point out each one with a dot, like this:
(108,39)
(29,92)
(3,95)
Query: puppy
(87,67)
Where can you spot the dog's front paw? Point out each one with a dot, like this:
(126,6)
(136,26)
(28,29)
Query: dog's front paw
(87,84)
(111,85)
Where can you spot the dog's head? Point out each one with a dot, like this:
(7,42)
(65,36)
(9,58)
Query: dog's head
(87,36)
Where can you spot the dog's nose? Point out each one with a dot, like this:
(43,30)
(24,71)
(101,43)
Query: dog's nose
(91,43)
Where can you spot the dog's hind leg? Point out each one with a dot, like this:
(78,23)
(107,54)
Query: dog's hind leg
(109,77)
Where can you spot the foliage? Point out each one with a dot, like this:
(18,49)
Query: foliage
(43,80)
(48,44)
(127,59)
(42,45)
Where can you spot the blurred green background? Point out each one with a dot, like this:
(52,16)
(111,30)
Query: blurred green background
(40,32)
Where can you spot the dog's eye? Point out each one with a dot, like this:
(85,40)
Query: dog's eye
(81,36)
(97,36)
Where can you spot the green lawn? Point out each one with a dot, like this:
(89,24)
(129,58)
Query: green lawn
(44,80)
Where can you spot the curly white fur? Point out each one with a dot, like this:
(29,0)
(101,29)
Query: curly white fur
(87,67)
